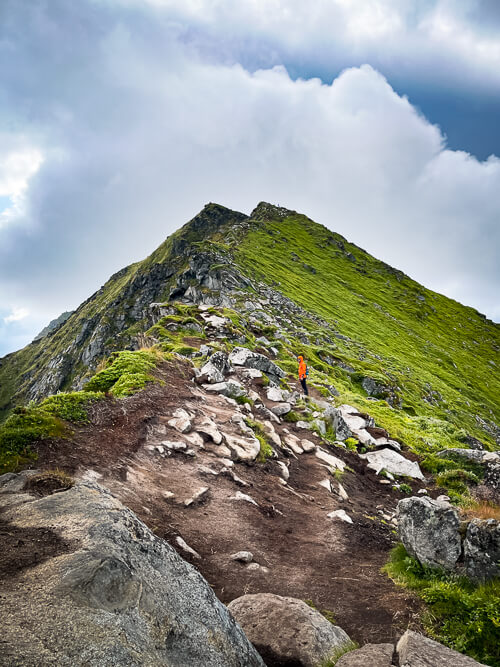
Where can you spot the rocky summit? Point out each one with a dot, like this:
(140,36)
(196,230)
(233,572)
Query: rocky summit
(170,496)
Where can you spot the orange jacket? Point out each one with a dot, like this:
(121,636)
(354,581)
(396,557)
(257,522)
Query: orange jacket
(302,368)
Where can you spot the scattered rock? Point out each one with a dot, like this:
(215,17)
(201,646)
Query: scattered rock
(242,356)
(308,446)
(340,514)
(476,455)
(185,547)
(243,448)
(277,395)
(342,492)
(231,388)
(173,445)
(429,531)
(285,473)
(271,433)
(370,655)
(281,409)
(198,497)
(325,483)
(393,462)
(209,431)
(242,556)
(287,631)
(304,425)
(293,443)
(257,568)
(329,459)
(251,373)
(243,496)
(415,650)
(320,425)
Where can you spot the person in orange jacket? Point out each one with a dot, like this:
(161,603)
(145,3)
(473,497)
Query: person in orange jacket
(303,373)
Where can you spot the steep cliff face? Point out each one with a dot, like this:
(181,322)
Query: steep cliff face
(368,327)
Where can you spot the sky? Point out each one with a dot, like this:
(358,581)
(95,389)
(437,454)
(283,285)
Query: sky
(121,119)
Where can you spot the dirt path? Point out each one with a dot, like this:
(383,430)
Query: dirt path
(333,564)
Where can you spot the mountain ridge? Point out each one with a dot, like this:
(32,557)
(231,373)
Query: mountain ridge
(382,321)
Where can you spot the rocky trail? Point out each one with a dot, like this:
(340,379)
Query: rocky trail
(182,457)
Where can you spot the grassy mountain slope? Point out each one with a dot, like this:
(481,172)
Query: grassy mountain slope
(432,359)
(441,356)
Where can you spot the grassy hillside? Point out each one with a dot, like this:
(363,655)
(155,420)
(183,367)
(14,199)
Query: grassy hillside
(441,357)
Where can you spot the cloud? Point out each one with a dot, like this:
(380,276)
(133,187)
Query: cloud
(16,315)
(138,129)
(18,163)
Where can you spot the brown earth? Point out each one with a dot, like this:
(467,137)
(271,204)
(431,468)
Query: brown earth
(333,564)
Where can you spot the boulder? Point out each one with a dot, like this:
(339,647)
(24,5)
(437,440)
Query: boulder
(482,549)
(370,655)
(209,431)
(329,459)
(393,462)
(243,448)
(270,431)
(277,395)
(110,593)
(320,425)
(286,631)
(415,650)
(242,556)
(281,409)
(308,446)
(242,356)
(429,531)
(364,437)
(181,421)
(476,455)
(231,388)
(215,370)
(293,443)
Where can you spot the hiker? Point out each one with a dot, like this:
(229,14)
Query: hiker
(303,373)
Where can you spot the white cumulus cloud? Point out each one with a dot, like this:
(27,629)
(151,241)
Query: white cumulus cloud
(16,315)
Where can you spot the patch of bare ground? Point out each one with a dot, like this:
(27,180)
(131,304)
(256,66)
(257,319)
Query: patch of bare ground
(305,554)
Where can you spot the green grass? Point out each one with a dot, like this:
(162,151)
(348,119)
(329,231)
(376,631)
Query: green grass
(460,614)
(396,337)
(266,451)
(71,406)
(125,373)
(21,429)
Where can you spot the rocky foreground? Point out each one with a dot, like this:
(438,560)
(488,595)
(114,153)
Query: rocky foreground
(89,584)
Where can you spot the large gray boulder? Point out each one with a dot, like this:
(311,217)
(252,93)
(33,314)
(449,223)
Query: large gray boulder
(429,531)
(415,650)
(482,549)
(110,593)
(242,356)
(286,631)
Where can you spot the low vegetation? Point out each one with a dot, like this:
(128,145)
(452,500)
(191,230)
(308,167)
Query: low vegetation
(460,614)
(125,373)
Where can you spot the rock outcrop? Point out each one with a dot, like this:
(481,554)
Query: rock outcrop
(116,595)
(429,530)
